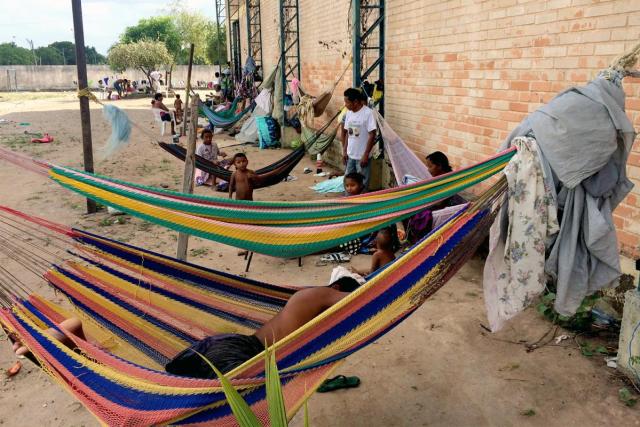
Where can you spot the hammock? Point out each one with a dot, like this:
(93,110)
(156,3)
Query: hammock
(315,143)
(153,306)
(217,120)
(282,229)
(268,176)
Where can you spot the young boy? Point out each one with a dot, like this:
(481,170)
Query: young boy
(242,179)
(358,134)
(208,150)
(384,253)
(177,104)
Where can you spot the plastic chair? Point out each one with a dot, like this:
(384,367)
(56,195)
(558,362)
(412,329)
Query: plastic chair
(158,118)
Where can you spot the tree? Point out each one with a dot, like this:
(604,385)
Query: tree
(93,57)
(49,56)
(144,55)
(195,28)
(217,45)
(11,54)
(157,28)
(67,50)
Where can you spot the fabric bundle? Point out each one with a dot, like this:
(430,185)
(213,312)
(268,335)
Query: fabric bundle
(584,138)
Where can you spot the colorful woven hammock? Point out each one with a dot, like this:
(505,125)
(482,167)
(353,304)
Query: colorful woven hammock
(143,308)
(281,229)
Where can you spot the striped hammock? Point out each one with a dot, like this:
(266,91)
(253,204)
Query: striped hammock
(282,229)
(143,308)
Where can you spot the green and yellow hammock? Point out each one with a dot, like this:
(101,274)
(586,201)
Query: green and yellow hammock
(281,229)
(142,308)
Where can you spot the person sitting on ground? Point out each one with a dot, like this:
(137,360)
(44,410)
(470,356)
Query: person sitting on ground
(165,113)
(421,223)
(228,351)
(208,150)
(358,134)
(385,250)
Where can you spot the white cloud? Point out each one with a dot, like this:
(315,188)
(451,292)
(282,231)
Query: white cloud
(47,21)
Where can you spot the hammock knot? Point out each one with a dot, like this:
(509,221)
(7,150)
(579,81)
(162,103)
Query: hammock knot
(86,92)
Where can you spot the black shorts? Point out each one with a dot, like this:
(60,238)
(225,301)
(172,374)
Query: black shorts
(165,117)
(225,352)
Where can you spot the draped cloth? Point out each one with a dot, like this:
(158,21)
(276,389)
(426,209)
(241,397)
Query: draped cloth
(403,160)
(584,139)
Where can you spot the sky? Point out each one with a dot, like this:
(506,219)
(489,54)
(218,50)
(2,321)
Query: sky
(48,21)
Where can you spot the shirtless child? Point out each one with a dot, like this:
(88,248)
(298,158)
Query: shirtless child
(384,253)
(242,180)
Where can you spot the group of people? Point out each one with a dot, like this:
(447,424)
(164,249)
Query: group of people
(228,351)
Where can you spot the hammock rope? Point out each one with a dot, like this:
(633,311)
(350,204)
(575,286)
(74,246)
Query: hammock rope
(149,330)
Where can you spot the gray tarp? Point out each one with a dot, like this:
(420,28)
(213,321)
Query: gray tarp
(585,138)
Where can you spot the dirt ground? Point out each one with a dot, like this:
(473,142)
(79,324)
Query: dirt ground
(438,368)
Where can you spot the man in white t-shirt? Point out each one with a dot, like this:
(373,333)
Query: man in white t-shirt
(358,134)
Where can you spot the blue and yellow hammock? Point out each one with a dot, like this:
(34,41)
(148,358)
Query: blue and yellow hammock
(142,308)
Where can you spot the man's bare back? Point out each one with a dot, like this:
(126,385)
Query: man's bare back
(303,306)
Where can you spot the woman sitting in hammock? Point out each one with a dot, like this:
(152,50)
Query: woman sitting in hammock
(228,351)
(421,223)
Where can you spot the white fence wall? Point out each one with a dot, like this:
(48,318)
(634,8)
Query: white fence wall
(62,77)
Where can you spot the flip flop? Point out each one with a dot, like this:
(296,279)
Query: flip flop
(337,257)
(336,383)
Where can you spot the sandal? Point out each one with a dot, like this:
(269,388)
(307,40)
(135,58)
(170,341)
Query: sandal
(337,257)
(336,383)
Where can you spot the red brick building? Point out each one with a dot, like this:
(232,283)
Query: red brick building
(460,74)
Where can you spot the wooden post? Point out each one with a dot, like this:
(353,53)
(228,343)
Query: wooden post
(187,90)
(85,114)
(189,170)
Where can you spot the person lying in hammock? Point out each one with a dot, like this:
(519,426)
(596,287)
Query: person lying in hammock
(228,351)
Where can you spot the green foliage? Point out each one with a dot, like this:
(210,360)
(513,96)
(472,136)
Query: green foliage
(217,45)
(67,51)
(11,54)
(145,55)
(627,397)
(49,56)
(275,400)
(588,350)
(528,412)
(579,321)
(634,360)
(57,53)
(157,28)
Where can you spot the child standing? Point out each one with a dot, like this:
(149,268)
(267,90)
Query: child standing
(177,104)
(242,179)
(208,150)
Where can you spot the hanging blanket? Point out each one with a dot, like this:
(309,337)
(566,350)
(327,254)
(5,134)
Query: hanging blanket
(514,274)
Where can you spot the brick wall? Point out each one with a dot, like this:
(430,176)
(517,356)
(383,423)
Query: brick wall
(460,74)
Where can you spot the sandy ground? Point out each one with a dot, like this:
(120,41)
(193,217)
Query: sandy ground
(438,368)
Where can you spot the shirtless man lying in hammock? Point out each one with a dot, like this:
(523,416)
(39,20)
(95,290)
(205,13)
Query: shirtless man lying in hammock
(228,351)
